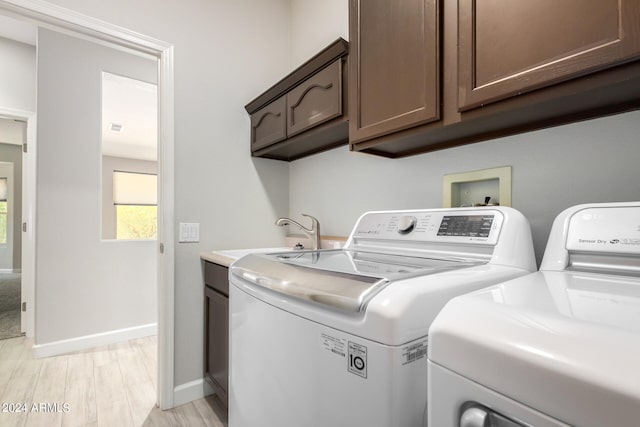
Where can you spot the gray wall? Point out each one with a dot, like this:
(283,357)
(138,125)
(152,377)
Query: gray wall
(592,161)
(226,53)
(17,75)
(13,154)
(109,165)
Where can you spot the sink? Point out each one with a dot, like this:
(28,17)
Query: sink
(239,253)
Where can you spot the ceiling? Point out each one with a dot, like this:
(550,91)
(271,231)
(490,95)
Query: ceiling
(11,131)
(133,105)
(126,102)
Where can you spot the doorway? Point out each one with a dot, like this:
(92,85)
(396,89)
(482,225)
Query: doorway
(85,27)
(12,132)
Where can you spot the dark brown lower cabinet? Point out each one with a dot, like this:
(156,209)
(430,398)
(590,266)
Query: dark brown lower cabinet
(216,329)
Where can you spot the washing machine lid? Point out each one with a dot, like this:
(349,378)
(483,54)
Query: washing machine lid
(564,343)
(340,279)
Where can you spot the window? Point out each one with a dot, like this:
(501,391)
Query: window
(135,196)
(3,210)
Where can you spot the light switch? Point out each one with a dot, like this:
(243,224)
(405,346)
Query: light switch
(189,232)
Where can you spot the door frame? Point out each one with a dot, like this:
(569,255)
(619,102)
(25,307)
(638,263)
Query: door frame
(27,267)
(51,16)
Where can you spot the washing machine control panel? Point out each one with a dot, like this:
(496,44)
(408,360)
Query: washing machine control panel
(605,229)
(478,226)
(406,224)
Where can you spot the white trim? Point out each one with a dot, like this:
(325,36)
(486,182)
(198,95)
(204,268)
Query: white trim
(166,309)
(29,214)
(9,270)
(193,390)
(95,340)
(46,14)
(53,16)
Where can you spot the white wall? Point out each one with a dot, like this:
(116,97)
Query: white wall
(226,53)
(111,164)
(315,25)
(84,285)
(17,75)
(593,161)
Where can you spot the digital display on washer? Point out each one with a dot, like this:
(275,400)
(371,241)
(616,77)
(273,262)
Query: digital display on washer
(466,225)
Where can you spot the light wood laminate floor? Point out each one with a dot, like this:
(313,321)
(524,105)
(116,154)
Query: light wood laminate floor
(110,386)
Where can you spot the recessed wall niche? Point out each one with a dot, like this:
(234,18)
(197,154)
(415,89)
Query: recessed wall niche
(477,188)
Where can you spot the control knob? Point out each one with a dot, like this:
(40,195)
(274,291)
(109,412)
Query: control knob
(406,224)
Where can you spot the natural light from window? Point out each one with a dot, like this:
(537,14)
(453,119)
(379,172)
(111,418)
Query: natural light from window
(136,204)
(129,159)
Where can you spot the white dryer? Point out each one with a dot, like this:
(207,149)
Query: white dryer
(555,348)
(339,337)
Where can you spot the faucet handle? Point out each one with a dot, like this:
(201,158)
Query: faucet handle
(314,221)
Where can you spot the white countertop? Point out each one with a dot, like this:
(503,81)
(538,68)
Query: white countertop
(226,257)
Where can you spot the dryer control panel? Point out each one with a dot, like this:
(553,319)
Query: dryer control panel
(469,226)
(613,229)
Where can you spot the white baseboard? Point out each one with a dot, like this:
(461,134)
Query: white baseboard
(89,341)
(193,390)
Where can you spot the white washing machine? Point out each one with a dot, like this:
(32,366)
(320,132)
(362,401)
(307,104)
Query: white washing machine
(555,348)
(339,337)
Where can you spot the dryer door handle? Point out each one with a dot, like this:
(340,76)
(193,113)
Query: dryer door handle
(474,417)
(477,416)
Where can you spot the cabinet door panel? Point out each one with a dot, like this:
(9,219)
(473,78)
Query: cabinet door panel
(268,125)
(393,66)
(217,341)
(217,277)
(315,100)
(510,47)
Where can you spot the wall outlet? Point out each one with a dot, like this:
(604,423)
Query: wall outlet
(189,232)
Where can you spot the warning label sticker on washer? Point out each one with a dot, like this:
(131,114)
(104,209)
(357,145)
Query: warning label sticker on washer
(334,344)
(357,361)
(415,351)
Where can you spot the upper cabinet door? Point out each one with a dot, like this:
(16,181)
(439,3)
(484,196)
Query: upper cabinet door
(315,100)
(394,66)
(269,124)
(510,47)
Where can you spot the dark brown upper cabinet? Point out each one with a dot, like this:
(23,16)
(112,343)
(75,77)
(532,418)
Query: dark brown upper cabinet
(315,100)
(268,124)
(505,68)
(305,112)
(508,48)
(394,66)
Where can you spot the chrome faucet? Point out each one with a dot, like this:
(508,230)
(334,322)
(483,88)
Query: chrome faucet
(313,233)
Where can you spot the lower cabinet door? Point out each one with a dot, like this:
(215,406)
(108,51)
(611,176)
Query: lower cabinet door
(217,341)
